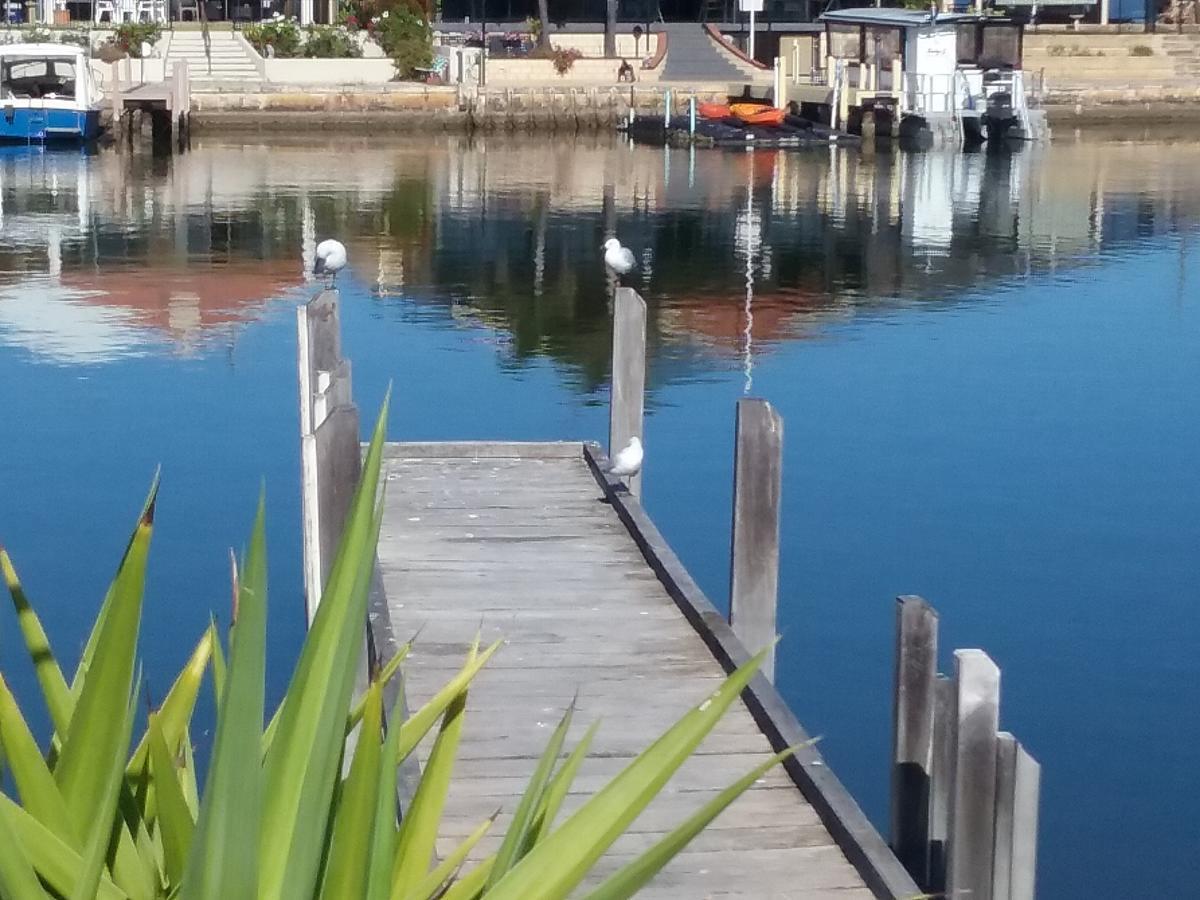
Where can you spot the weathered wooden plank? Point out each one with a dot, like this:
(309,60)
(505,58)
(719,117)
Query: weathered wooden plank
(335,452)
(912,733)
(1018,779)
(627,404)
(754,571)
(945,698)
(973,807)
(479,450)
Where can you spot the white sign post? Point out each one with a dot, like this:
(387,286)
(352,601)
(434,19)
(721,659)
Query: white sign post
(752,7)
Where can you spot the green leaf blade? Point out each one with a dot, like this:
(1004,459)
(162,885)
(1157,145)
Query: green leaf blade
(223,858)
(560,861)
(635,875)
(354,823)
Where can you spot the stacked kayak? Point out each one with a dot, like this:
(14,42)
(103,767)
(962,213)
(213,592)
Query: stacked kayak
(743,113)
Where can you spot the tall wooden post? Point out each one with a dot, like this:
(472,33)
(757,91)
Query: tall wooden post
(757,481)
(973,806)
(627,406)
(912,733)
(330,452)
(1018,779)
(945,699)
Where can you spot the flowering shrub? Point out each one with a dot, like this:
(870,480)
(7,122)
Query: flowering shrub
(130,36)
(406,37)
(280,33)
(331,42)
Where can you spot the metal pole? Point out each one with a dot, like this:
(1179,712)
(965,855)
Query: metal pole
(692,116)
(751,54)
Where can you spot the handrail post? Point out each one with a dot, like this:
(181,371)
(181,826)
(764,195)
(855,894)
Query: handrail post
(754,572)
(973,803)
(913,706)
(627,405)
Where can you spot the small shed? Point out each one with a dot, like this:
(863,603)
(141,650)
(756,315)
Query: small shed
(895,51)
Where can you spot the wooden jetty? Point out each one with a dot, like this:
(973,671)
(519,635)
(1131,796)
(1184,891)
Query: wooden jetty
(535,544)
(168,103)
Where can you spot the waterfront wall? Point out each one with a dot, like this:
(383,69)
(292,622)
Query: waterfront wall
(391,106)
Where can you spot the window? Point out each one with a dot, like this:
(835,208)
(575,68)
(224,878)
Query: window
(49,79)
(1000,47)
(883,46)
(845,41)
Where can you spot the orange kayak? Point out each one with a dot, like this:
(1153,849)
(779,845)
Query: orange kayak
(713,111)
(757,114)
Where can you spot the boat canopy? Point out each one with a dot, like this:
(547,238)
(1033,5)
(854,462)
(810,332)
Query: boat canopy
(46,72)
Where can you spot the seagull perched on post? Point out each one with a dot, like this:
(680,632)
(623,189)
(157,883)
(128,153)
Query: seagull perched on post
(628,461)
(331,259)
(619,259)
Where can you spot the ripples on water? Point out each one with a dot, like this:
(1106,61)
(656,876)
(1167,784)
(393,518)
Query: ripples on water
(987,363)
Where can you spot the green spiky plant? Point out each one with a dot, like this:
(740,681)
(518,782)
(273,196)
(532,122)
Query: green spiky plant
(276,819)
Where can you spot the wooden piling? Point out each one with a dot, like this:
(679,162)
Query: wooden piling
(973,805)
(945,698)
(1018,779)
(330,454)
(628,375)
(754,573)
(913,734)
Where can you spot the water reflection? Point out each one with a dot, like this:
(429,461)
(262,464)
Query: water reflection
(106,254)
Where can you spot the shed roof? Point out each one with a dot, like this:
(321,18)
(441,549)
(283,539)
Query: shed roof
(901,18)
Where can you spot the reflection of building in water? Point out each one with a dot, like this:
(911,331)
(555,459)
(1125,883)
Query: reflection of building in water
(509,229)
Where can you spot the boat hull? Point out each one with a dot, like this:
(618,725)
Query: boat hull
(42,125)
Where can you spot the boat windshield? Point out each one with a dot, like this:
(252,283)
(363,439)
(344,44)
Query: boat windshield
(26,78)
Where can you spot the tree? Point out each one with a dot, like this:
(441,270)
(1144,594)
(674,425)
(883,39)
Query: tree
(543,35)
(610,28)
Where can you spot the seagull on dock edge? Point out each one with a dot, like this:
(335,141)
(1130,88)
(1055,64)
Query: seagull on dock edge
(628,461)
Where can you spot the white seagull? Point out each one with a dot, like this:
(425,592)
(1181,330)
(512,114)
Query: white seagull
(331,259)
(628,462)
(619,259)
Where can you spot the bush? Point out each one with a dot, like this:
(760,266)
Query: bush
(281,33)
(407,38)
(275,818)
(564,59)
(1141,50)
(331,42)
(130,36)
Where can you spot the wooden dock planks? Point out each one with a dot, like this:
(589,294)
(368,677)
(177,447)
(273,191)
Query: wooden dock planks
(514,540)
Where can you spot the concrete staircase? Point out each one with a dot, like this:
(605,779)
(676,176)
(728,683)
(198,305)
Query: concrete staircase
(230,59)
(694,57)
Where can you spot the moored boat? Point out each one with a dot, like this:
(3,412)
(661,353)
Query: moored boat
(47,93)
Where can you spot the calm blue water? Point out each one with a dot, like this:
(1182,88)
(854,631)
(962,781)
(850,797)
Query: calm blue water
(987,365)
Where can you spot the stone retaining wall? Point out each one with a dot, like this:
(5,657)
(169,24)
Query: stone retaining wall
(393,106)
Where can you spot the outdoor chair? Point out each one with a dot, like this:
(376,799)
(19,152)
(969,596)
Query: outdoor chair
(103,8)
(188,8)
(151,11)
